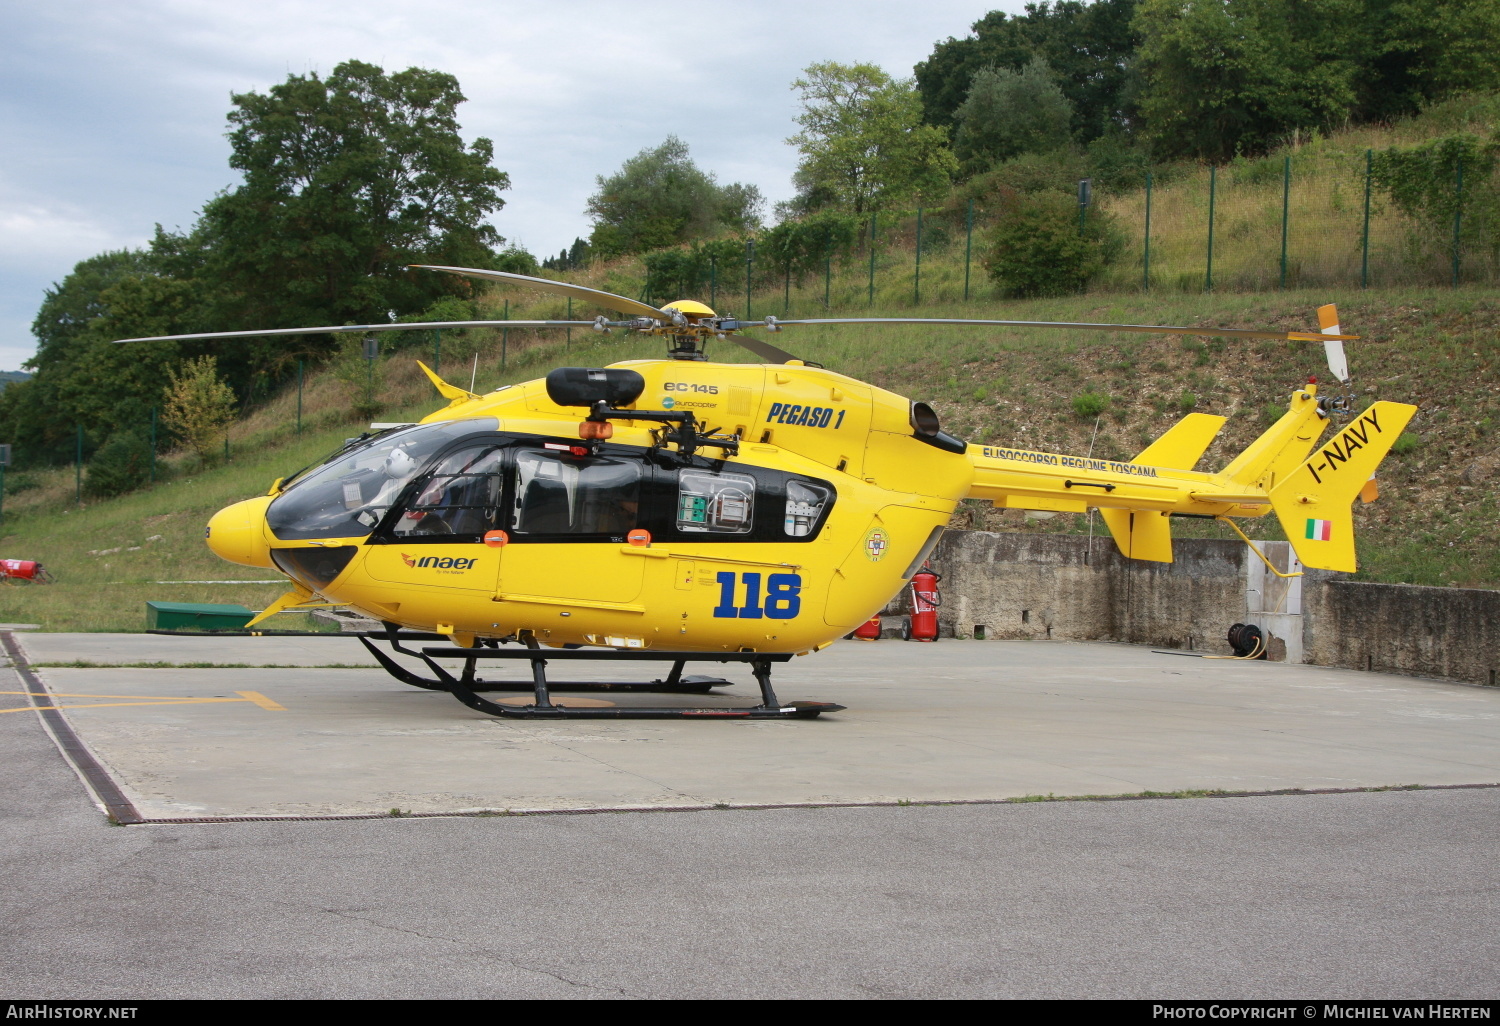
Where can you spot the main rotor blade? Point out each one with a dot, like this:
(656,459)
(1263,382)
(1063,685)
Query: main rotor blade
(1150,329)
(345,328)
(764,350)
(608,300)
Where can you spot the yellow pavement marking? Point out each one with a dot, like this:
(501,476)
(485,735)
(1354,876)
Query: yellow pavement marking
(154,698)
(246,696)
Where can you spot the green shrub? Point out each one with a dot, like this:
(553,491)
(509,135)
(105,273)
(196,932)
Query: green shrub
(1265,171)
(1038,249)
(1407,442)
(121,464)
(1090,404)
(1116,163)
(24,481)
(1187,402)
(1058,171)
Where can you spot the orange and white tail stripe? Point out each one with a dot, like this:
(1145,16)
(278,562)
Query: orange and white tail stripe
(1328,323)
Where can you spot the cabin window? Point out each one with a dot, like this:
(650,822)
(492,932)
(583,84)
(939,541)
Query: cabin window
(558,495)
(715,503)
(805,502)
(461,496)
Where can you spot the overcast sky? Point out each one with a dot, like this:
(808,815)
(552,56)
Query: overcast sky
(112,115)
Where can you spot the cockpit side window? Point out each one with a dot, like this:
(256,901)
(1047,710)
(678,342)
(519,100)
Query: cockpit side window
(354,490)
(558,495)
(460,498)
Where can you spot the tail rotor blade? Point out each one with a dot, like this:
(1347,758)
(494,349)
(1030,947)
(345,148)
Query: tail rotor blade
(1328,322)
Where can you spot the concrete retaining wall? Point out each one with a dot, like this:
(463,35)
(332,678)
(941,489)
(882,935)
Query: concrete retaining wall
(1066,587)
(1400,628)
(1016,586)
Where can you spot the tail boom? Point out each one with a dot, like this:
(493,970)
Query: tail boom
(1310,496)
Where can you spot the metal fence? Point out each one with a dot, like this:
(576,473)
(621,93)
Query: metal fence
(1313,219)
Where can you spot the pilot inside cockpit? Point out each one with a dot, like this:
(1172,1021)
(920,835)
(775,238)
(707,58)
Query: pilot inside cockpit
(461,498)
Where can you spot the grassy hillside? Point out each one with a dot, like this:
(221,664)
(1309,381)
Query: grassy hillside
(1434,524)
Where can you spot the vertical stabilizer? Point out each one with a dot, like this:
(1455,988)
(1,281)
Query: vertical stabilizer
(1183,444)
(1313,502)
(1143,534)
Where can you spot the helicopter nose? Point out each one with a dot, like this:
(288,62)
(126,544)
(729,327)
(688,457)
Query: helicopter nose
(238,533)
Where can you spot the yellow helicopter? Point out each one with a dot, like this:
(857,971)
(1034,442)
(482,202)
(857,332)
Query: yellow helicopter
(595,514)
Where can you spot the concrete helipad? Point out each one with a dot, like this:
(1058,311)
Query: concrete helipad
(952,721)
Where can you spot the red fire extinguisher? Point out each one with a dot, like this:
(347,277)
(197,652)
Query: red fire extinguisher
(869,630)
(922,624)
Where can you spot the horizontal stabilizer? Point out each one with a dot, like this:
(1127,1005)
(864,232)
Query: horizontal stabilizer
(1313,502)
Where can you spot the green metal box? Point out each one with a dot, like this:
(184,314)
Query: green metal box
(176,616)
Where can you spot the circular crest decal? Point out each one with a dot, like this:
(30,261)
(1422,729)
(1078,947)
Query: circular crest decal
(876,542)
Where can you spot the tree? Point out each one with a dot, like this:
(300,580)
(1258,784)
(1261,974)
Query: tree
(660,198)
(1225,76)
(1088,46)
(862,140)
(198,406)
(1418,51)
(82,379)
(570,259)
(348,180)
(516,261)
(688,272)
(1008,113)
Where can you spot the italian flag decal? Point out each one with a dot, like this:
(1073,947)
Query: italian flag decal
(1320,530)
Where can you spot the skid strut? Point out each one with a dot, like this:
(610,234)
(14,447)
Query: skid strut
(543,707)
(675,683)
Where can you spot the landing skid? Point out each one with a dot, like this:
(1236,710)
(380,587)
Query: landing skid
(466,687)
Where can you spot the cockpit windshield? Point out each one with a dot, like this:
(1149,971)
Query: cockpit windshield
(350,494)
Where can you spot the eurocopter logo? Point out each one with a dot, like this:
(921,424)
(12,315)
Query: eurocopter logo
(439,562)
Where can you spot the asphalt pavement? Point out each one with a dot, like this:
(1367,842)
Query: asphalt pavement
(1356,895)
